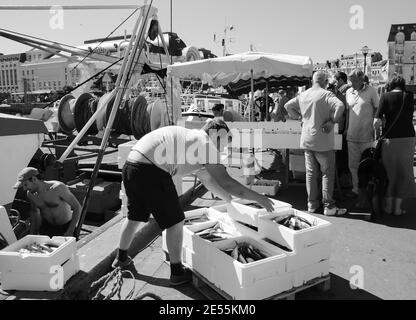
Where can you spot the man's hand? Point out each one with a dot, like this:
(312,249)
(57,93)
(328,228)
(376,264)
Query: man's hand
(328,126)
(266,203)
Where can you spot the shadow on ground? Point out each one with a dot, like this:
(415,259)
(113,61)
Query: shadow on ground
(297,197)
(340,290)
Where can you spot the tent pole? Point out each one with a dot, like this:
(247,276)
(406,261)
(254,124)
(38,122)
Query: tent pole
(252,96)
(267,100)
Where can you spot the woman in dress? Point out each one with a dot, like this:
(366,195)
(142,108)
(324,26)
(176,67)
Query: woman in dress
(399,145)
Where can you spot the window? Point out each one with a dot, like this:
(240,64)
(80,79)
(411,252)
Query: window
(33,72)
(413,36)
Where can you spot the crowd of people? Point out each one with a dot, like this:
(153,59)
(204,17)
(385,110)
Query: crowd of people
(366,122)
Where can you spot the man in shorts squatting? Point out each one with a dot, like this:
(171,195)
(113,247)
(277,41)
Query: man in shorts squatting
(147,177)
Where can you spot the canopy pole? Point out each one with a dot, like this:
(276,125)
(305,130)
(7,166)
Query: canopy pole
(252,96)
(267,100)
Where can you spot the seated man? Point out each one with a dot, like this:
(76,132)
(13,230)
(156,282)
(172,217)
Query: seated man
(54,209)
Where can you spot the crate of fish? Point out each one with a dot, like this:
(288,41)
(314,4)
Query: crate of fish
(307,273)
(246,268)
(294,229)
(249,212)
(269,187)
(195,221)
(31,262)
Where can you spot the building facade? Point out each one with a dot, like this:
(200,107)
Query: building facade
(10,72)
(42,73)
(402,52)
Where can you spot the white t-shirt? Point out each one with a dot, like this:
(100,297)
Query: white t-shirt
(362,106)
(177,150)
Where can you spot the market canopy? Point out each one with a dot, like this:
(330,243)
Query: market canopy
(234,72)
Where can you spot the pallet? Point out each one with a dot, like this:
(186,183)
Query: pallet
(211,292)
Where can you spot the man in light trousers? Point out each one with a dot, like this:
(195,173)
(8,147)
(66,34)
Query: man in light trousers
(319,110)
(362,103)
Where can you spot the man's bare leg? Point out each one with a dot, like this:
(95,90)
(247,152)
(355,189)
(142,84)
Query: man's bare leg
(128,230)
(174,238)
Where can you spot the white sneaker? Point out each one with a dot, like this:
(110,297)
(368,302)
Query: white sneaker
(334,211)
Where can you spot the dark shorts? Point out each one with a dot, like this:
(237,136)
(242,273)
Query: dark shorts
(150,190)
(51,230)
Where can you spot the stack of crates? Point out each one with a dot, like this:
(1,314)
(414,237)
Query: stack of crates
(292,257)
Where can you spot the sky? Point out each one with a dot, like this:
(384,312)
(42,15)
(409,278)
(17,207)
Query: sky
(320,29)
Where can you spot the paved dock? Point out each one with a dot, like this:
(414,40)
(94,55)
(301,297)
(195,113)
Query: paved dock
(385,251)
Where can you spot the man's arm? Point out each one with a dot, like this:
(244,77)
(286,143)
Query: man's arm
(212,185)
(337,109)
(219,174)
(69,198)
(375,100)
(337,106)
(293,108)
(35,220)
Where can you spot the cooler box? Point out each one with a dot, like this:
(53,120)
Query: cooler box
(249,212)
(319,233)
(37,271)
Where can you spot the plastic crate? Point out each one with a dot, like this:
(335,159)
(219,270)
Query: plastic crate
(256,280)
(13,261)
(249,212)
(31,281)
(32,271)
(295,240)
(249,273)
(269,187)
(308,273)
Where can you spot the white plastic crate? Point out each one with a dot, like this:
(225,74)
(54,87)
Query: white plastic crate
(307,256)
(268,187)
(198,262)
(262,289)
(249,212)
(295,240)
(40,281)
(197,244)
(249,273)
(13,261)
(308,273)
(257,280)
